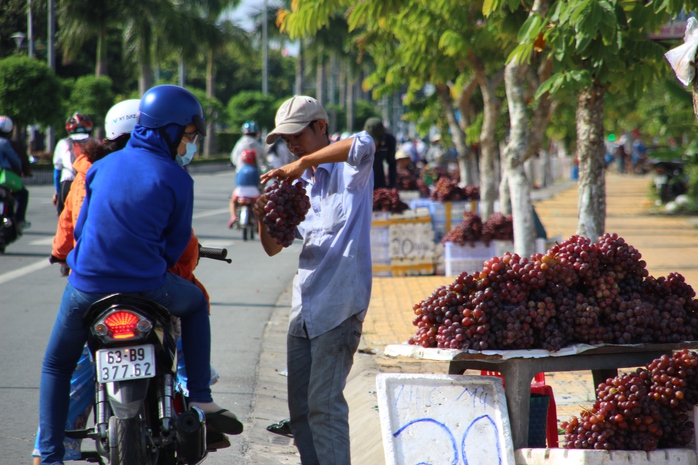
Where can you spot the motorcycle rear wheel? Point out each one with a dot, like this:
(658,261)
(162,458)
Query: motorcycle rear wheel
(127,442)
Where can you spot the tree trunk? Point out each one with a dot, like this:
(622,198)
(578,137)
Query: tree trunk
(300,70)
(145,81)
(102,68)
(519,185)
(457,134)
(488,144)
(590,152)
(320,80)
(210,146)
(504,197)
(351,93)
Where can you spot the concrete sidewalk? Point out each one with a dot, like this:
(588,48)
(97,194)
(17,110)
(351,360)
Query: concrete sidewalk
(667,244)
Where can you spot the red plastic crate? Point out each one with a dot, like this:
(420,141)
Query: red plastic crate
(538,386)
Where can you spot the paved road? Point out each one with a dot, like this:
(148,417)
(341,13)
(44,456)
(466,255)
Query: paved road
(243,295)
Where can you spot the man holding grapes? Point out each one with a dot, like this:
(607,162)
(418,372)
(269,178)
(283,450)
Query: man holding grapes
(333,286)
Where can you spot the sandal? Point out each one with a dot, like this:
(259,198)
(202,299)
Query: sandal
(282,427)
(224,421)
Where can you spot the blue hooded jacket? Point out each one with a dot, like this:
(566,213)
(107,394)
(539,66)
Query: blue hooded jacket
(136,219)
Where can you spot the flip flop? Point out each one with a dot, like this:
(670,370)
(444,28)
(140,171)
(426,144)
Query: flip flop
(282,427)
(223,423)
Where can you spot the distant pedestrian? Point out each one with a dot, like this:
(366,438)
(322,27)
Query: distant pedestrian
(385,154)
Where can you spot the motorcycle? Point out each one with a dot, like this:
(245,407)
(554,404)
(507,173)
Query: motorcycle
(9,229)
(244,198)
(140,419)
(669,179)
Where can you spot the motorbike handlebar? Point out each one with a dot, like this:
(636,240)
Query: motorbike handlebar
(214,253)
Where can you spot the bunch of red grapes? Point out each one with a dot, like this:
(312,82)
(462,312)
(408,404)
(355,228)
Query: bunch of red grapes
(498,227)
(446,189)
(577,292)
(643,410)
(406,180)
(467,231)
(388,200)
(286,207)
(472,229)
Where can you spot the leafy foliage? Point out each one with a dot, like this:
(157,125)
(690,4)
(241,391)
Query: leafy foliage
(252,105)
(93,96)
(30,92)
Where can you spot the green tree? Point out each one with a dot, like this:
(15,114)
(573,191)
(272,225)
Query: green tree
(597,47)
(252,105)
(30,92)
(93,96)
(80,21)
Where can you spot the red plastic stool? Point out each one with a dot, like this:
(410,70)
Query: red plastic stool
(538,386)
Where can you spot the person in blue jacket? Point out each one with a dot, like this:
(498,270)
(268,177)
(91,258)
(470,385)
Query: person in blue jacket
(246,182)
(135,222)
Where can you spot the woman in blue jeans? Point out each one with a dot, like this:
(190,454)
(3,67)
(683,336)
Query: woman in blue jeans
(135,222)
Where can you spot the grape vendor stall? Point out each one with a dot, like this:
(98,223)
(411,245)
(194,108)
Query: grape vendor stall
(518,367)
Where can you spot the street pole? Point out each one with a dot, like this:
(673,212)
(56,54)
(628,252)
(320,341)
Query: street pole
(50,134)
(30,30)
(265,46)
(30,53)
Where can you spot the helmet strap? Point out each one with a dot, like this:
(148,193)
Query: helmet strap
(173,145)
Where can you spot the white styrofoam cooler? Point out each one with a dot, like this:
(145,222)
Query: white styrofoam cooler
(459,258)
(602,457)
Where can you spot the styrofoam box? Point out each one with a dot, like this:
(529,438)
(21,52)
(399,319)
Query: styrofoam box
(479,251)
(499,248)
(380,253)
(380,235)
(409,195)
(602,457)
(456,266)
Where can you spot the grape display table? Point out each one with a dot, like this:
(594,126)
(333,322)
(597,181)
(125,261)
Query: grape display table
(519,367)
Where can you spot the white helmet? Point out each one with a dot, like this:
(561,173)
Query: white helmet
(6,124)
(121,118)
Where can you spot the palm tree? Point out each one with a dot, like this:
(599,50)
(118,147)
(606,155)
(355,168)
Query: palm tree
(215,34)
(83,20)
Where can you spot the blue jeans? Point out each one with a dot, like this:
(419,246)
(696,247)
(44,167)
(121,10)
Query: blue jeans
(317,374)
(179,296)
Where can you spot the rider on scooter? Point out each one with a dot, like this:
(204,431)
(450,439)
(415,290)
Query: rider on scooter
(135,223)
(246,182)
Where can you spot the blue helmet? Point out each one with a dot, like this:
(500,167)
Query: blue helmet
(250,127)
(168,104)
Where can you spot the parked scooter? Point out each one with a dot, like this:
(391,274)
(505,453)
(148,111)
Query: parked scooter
(9,228)
(245,194)
(669,179)
(140,419)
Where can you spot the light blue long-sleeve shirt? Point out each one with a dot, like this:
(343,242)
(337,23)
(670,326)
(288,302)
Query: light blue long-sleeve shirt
(334,271)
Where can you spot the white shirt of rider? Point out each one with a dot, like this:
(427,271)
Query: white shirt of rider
(63,156)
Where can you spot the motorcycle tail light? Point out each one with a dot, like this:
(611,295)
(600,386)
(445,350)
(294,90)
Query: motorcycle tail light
(122,324)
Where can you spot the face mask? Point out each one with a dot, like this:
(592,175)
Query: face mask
(187,157)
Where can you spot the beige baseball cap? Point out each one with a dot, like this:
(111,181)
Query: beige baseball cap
(294,115)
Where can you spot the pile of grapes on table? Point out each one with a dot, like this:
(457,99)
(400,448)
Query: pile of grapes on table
(497,227)
(643,410)
(287,204)
(577,292)
(388,200)
(447,189)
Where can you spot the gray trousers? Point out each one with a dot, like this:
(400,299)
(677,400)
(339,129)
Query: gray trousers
(317,373)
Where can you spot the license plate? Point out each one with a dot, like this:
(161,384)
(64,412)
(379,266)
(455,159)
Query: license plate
(661,179)
(125,363)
